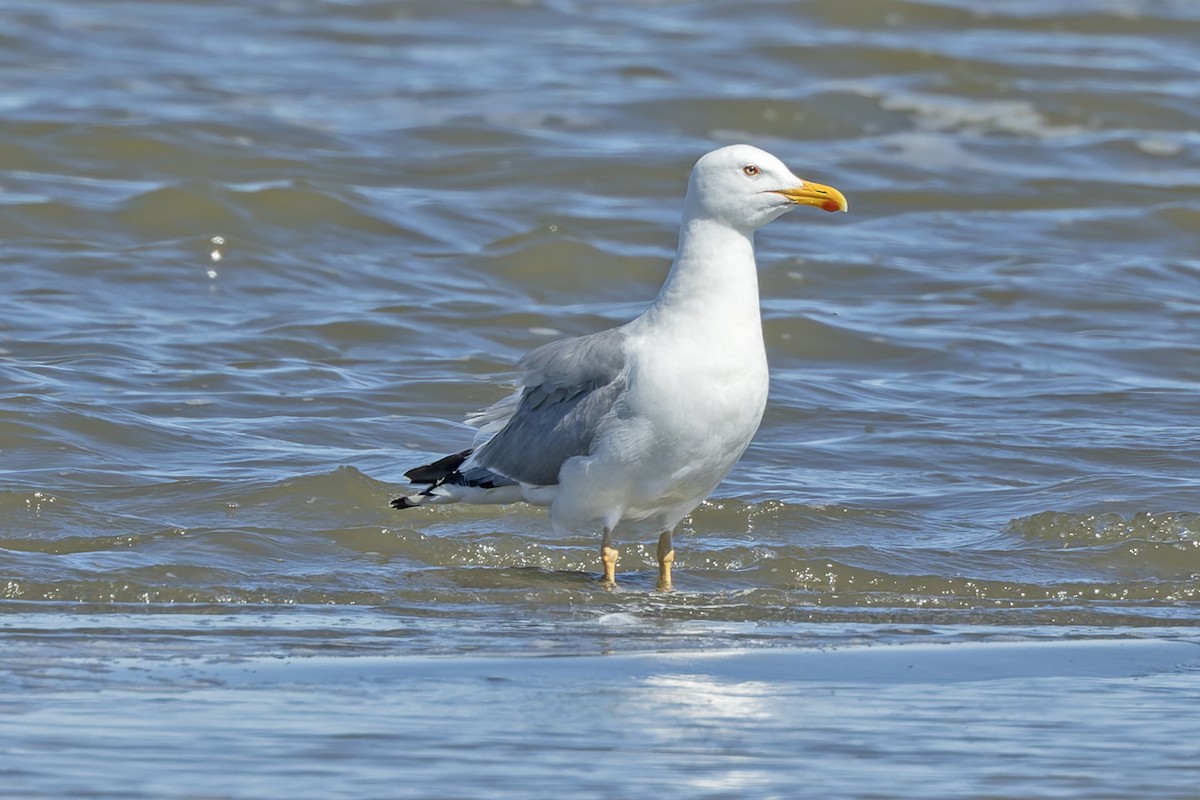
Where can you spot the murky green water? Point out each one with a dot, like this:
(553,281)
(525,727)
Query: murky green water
(260,259)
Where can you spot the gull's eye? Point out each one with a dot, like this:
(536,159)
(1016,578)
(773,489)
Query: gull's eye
(750,170)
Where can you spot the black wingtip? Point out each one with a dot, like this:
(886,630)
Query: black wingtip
(438,470)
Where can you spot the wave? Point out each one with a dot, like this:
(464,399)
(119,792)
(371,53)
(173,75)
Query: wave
(329,539)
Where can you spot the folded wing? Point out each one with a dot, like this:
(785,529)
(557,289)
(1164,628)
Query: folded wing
(568,387)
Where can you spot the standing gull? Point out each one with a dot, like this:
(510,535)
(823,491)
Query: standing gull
(637,424)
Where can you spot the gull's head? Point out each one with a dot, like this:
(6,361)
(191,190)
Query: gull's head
(746,188)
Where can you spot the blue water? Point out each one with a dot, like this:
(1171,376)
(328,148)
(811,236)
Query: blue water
(259,260)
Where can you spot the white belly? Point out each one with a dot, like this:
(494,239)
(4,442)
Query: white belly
(683,423)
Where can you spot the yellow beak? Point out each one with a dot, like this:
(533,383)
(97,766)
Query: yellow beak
(816,194)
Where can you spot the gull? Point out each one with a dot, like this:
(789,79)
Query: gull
(636,425)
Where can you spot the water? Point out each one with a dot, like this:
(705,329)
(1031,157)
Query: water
(260,259)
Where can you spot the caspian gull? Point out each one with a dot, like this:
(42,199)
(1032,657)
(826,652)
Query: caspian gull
(636,425)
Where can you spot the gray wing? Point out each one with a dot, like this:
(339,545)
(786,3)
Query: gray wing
(569,385)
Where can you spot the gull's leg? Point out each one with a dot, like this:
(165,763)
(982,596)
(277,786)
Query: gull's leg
(608,560)
(666,557)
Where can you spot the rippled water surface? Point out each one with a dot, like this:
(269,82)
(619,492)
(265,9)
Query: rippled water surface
(259,259)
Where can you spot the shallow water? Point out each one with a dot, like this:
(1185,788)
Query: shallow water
(957,720)
(261,260)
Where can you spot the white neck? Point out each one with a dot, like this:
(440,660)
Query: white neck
(713,274)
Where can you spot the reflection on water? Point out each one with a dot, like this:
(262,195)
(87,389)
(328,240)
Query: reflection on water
(1011,718)
(701,700)
(676,711)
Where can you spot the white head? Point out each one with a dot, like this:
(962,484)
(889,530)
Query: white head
(746,188)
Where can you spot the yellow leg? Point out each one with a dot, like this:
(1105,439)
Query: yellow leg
(608,560)
(666,557)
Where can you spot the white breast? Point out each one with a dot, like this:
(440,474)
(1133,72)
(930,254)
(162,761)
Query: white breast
(704,397)
(694,401)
